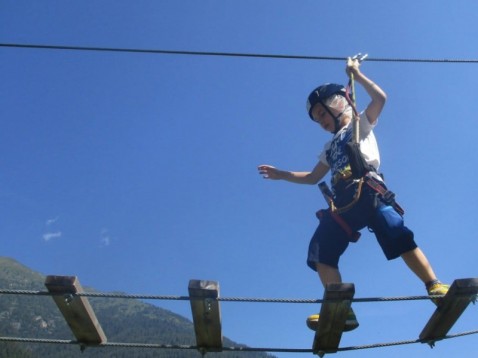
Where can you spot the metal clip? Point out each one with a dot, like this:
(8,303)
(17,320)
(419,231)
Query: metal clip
(68,298)
(359,57)
(208,302)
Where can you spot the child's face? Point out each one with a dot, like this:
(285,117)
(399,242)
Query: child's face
(323,117)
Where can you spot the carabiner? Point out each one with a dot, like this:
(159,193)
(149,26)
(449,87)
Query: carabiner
(359,57)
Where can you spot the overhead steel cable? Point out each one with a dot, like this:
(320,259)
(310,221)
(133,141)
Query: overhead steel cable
(226,54)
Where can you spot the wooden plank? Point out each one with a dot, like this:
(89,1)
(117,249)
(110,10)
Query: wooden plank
(206,315)
(333,314)
(77,311)
(457,299)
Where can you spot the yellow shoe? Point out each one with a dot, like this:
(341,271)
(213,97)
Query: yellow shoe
(350,324)
(438,289)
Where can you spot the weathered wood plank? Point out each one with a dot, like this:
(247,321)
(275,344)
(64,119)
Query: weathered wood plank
(459,296)
(206,315)
(77,311)
(333,314)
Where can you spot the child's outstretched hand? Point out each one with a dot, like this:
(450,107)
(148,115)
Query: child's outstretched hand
(269,172)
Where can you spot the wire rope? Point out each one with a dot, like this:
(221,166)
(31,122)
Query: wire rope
(220,299)
(235,349)
(226,54)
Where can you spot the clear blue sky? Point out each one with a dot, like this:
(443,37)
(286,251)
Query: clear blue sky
(137,172)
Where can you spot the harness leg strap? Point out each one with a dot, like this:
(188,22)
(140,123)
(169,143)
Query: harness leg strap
(354,236)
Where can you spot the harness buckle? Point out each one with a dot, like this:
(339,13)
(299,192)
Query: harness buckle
(387,196)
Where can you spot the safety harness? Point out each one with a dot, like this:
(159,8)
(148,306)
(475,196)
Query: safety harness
(360,173)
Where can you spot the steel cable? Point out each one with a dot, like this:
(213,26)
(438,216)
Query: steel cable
(226,54)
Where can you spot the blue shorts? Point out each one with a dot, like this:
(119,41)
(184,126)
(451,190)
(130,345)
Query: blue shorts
(330,240)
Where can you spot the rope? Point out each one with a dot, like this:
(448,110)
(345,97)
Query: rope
(220,299)
(234,349)
(226,54)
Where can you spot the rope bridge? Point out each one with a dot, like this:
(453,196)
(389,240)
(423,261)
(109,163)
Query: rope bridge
(204,298)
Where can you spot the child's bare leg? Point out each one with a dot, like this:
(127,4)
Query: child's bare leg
(328,274)
(418,263)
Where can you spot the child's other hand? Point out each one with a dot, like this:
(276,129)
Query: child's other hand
(352,67)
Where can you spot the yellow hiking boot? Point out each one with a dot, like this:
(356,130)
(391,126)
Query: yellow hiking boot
(350,324)
(438,289)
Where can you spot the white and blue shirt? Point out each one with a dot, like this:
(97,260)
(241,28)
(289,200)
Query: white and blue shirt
(334,154)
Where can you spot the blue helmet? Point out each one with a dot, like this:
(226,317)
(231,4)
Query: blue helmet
(321,93)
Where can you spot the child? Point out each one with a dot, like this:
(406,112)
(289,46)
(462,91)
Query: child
(357,201)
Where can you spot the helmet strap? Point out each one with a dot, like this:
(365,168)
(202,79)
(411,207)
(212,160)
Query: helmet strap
(335,118)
